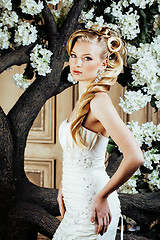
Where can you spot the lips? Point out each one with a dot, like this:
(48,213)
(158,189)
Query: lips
(77,72)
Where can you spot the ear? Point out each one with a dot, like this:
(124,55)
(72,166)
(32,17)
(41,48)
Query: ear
(104,64)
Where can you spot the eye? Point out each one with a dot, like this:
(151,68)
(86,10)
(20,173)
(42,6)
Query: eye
(88,58)
(73,55)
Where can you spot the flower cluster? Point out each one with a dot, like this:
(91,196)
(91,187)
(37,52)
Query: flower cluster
(127,22)
(131,184)
(31,7)
(149,174)
(25,34)
(40,60)
(4,38)
(6,4)
(20,81)
(142,3)
(8,18)
(134,100)
(146,70)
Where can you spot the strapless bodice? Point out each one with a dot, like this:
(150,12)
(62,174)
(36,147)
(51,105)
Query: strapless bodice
(91,157)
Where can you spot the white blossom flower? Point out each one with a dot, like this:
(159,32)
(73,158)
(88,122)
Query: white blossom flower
(100,21)
(146,71)
(142,3)
(89,24)
(154,179)
(25,34)
(56,12)
(127,22)
(107,10)
(20,81)
(31,7)
(70,79)
(137,131)
(40,60)
(6,4)
(148,160)
(134,100)
(53,2)
(129,186)
(85,16)
(65,8)
(4,38)
(8,18)
(157,133)
(149,132)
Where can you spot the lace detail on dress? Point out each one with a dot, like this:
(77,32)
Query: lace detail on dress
(80,157)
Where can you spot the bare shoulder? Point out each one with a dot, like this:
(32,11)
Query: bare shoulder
(104,111)
(101,100)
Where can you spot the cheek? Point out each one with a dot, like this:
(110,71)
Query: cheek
(92,68)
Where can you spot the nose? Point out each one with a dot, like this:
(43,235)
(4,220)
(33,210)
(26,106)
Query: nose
(78,62)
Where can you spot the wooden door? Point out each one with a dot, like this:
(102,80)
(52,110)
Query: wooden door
(43,154)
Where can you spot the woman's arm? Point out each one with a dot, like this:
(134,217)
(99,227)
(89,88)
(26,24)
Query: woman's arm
(104,111)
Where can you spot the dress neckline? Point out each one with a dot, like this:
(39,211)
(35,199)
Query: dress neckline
(86,129)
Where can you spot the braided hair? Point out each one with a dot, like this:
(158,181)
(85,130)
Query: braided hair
(113,50)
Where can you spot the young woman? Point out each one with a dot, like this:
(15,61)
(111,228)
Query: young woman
(88,202)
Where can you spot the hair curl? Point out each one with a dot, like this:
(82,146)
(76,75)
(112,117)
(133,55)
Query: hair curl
(113,50)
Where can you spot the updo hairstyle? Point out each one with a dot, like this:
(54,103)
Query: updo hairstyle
(113,50)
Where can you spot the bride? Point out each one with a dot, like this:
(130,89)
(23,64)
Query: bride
(87,197)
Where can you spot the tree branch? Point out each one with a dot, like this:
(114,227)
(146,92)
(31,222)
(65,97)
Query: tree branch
(143,208)
(6,156)
(24,112)
(70,23)
(16,57)
(50,25)
(46,197)
(31,216)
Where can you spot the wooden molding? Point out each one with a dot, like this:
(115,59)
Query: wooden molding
(40,171)
(43,129)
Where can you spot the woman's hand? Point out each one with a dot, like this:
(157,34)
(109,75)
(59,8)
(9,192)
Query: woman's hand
(101,213)
(60,201)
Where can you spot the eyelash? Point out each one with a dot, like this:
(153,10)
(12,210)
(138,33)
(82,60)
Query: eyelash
(86,58)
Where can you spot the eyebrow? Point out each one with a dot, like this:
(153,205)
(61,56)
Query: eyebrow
(83,54)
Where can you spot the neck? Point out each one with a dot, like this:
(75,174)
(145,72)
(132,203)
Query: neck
(83,86)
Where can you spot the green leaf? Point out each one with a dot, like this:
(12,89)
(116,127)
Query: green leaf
(131,60)
(110,148)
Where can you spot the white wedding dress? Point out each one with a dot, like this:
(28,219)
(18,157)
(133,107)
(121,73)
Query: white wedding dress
(83,177)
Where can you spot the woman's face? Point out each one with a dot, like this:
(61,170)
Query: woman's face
(85,61)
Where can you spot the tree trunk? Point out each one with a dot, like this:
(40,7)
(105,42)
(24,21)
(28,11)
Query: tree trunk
(26,209)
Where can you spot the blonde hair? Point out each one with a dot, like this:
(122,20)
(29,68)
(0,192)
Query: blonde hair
(113,50)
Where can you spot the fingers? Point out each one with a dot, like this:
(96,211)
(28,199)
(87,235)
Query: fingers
(110,217)
(93,215)
(100,225)
(61,204)
(103,224)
